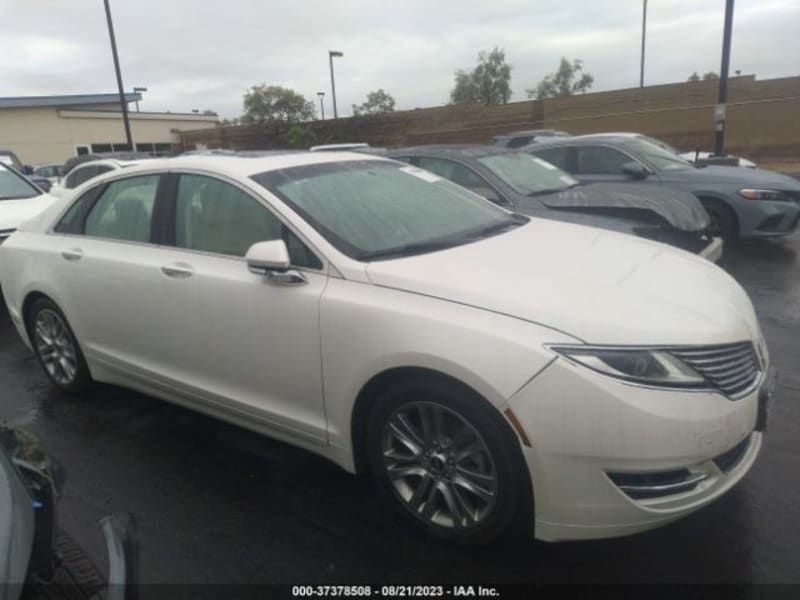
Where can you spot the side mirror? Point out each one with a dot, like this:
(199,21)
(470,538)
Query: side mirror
(489,194)
(27,169)
(263,257)
(635,169)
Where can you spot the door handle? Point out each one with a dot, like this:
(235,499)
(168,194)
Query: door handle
(72,254)
(178,270)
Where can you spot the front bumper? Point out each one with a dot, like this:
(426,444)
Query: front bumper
(713,251)
(584,429)
(767,219)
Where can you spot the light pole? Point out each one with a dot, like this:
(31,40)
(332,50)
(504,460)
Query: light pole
(644,31)
(719,118)
(136,90)
(331,54)
(321,104)
(122,102)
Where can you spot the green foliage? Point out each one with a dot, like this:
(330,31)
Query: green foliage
(708,76)
(265,103)
(694,77)
(488,83)
(568,80)
(378,102)
(299,136)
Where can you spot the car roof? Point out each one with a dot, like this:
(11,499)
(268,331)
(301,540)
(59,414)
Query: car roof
(452,150)
(541,132)
(246,164)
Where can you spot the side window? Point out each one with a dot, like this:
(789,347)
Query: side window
(124,211)
(601,160)
(80,176)
(555,156)
(100,169)
(71,221)
(215,216)
(455,172)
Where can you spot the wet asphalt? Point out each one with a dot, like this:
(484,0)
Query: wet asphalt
(215,503)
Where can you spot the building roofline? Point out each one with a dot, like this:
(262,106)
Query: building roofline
(65,100)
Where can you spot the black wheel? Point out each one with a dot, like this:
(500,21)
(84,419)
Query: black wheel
(56,347)
(449,463)
(723,220)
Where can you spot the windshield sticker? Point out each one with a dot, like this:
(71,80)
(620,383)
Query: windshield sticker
(568,180)
(543,163)
(421,174)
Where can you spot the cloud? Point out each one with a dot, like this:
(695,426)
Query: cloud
(199,54)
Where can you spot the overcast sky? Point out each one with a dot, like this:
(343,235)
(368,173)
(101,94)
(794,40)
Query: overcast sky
(204,54)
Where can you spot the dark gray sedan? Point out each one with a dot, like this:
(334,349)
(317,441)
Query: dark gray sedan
(532,186)
(742,202)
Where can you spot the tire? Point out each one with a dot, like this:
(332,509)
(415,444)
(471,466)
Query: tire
(469,498)
(76,577)
(723,220)
(56,348)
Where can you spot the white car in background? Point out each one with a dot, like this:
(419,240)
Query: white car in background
(495,373)
(86,171)
(20,200)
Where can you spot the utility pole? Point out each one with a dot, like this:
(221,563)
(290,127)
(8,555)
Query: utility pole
(719,112)
(644,32)
(321,104)
(331,54)
(123,103)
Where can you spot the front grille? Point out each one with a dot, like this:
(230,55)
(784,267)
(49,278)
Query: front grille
(731,368)
(728,460)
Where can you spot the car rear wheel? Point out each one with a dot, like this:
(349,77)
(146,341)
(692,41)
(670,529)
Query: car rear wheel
(723,220)
(449,463)
(56,347)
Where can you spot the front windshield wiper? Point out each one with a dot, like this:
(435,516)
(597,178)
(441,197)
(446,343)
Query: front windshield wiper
(553,190)
(514,220)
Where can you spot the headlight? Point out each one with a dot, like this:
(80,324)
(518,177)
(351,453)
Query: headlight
(753,194)
(653,367)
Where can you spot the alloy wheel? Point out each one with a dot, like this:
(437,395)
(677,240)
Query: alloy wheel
(55,346)
(439,465)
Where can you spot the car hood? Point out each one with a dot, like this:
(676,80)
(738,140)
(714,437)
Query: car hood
(734,175)
(680,209)
(598,286)
(15,212)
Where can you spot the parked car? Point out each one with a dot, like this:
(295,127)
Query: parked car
(83,172)
(496,373)
(50,171)
(517,139)
(8,158)
(20,200)
(37,559)
(746,203)
(534,187)
(700,158)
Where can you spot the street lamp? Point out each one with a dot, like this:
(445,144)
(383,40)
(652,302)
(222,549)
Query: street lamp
(644,31)
(321,105)
(136,90)
(331,54)
(123,103)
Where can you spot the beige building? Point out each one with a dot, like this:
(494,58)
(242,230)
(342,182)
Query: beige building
(44,129)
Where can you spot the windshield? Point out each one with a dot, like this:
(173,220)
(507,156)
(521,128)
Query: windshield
(14,186)
(527,174)
(657,157)
(374,209)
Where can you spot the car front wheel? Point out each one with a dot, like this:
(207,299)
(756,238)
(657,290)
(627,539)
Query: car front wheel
(450,464)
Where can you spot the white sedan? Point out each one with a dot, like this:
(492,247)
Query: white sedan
(495,373)
(20,200)
(83,172)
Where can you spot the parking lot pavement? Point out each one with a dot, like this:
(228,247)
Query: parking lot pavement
(217,504)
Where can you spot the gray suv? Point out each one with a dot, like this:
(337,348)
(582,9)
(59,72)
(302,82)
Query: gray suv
(745,203)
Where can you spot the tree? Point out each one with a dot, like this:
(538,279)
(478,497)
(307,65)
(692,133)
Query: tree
(488,83)
(694,77)
(377,103)
(710,76)
(264,103)
(568,80)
